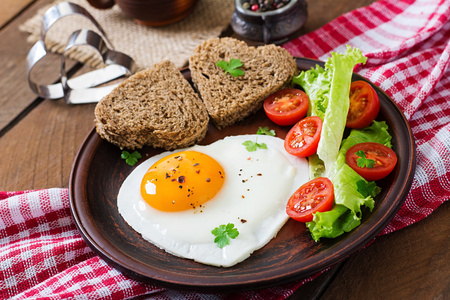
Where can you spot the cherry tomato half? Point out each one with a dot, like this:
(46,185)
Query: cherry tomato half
(383,159)
(314,196)
(364,105)
(302,140)
(286,107)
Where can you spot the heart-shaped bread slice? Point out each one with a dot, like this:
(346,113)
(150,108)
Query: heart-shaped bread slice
(229,99)
(156,107)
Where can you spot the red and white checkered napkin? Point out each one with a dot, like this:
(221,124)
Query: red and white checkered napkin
(43,256)
(407,44)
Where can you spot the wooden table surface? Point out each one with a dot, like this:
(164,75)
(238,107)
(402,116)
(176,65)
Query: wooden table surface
(39,139)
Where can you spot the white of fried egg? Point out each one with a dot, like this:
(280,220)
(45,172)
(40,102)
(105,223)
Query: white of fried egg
(191,191)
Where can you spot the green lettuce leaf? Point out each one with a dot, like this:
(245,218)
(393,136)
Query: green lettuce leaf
(328,90)
(332,223)
(316,83)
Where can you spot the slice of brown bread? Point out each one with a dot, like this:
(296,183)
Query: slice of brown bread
(155,107)
(229,99)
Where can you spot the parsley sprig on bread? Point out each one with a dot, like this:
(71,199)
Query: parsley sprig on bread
(229,99)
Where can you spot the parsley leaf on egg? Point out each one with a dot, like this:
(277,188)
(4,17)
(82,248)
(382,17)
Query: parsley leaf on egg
(224,233)
(266,131)
(231,67)
(131,158)
(253,146)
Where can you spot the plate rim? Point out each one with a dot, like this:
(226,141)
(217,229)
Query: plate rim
(225,284)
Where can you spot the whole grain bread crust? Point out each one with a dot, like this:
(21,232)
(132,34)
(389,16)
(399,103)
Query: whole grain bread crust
(229,99)
(156,107)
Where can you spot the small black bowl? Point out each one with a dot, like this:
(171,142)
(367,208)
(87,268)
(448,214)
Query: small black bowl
(274,26)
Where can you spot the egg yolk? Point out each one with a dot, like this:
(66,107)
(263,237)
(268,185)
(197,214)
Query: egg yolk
(182,181)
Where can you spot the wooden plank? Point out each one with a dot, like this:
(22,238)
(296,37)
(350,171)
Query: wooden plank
(39,151)
(11,8)
(39,141)
(412,263)
(15,94)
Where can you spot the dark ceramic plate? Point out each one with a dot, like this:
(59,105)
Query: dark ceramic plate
(98,172)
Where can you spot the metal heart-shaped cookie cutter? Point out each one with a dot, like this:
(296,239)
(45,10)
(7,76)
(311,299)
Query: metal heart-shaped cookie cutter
(81,89)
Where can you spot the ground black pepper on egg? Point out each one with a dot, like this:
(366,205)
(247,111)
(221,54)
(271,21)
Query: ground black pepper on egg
(263,5)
